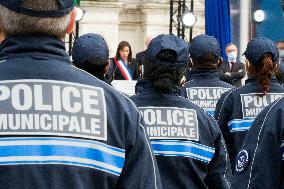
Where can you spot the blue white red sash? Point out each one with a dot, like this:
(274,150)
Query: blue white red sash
(123,69)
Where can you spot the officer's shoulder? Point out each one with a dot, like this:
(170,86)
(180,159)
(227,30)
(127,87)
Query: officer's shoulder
(226,85)
(275,107)
(235,92)
(140,55)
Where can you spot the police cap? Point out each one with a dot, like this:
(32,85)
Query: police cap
(65,6)
(203,44)
(169,42)
(87,46)
(257,47)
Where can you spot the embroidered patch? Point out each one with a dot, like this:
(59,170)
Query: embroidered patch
(242,161)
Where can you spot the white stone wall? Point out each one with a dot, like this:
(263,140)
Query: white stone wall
(132,20)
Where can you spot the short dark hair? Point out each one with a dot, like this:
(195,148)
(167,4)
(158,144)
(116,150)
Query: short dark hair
(206,61)
(94,66)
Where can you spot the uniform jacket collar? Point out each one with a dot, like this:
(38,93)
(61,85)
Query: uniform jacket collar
(33,46)
(253,79)
(206,73)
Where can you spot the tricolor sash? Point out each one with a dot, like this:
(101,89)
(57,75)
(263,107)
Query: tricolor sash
(123,69)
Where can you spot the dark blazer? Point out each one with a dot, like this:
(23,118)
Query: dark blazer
(114,72)
(139,57)
(238,72)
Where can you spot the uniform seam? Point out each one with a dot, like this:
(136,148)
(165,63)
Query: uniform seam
(258,138)
(225,148)
(233,90)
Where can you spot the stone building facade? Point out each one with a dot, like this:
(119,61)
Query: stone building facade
(132,20)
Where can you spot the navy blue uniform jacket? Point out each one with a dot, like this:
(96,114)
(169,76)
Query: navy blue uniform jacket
(205,89)
(263,166)
(62,128)
(237,109)
(187,142)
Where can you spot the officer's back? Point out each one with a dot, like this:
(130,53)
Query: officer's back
(205,88)
(186,141)
(259,163)
(237,109)
(61,127)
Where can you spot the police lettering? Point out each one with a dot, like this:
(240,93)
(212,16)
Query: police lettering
(260,101)
(205,97)
(205,103)
(174,117)
(208,93)
(170,123)
(171,132)
(52,108)
(253,103)
(23,98)
(48,122)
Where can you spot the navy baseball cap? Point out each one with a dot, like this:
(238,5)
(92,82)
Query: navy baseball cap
(257,47)
(170,42)
(65,6)
(203,44)
(89,46)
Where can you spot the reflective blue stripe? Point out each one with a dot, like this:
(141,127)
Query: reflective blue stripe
(69,151)
(184,142)
(61,139)
(186,149)
(59,150)
(210,111)
(240,124)
(61,163)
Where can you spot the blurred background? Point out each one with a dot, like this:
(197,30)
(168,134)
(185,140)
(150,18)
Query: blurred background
(234,21)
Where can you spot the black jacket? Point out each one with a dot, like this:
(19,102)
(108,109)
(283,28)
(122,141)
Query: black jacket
(63,128)
(188,144)
(237,109)
(260,162)
(140,58)
(237,73)
(205,88)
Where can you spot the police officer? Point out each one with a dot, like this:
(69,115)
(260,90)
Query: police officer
(90,53)
(187,142)
(259,163)
(237,109)
(61,127)
(205,88)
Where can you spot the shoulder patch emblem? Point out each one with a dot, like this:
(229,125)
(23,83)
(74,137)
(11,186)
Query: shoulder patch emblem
(242,161)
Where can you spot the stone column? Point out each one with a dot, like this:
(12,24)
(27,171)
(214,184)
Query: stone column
(154,20)
(102,17)
(132,20)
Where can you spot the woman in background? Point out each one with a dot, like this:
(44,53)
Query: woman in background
(123,66)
